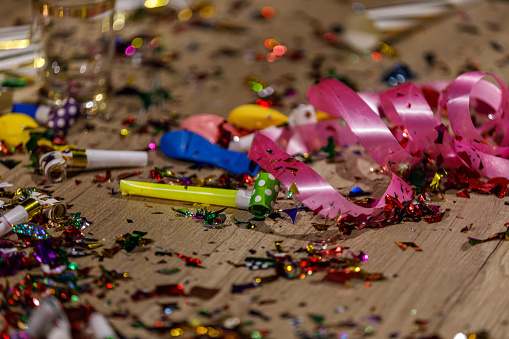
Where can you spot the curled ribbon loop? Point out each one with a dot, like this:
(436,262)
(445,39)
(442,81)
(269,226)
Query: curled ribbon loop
(406,106)
(460,92)
(337,99)
(490,160)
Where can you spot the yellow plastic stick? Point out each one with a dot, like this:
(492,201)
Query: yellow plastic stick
(204,195)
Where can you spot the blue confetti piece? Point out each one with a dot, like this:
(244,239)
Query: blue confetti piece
(32,230)
(292,212)
(356,192)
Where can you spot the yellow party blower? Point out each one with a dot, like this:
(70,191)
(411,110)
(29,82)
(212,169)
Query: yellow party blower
(260,201)
(203,195)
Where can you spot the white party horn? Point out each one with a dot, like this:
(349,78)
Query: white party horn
(19,215)
(52,208)
(53,164)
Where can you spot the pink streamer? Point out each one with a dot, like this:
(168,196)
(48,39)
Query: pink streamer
(458,109)
(490,160)
(314,191)
(407,108)
(307,138)
(337,99)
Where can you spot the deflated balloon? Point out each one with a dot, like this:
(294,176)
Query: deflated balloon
(15,128)
(256,117)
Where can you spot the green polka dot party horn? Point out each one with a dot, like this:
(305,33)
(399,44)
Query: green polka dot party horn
(259,201)
(266,189)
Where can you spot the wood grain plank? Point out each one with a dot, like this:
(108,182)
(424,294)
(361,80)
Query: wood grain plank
(451,285)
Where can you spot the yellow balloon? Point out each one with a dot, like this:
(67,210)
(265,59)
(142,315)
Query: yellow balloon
(256,117)
(320,116)
(14,128)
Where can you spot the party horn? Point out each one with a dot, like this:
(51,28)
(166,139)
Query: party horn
(19,214)
(100,326)
(259,202)
(33,205)
(51,208)
(53,164)
(266,189)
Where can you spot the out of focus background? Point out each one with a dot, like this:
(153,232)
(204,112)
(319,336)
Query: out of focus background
(206,56)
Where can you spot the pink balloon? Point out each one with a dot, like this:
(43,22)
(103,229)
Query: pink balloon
(207,125)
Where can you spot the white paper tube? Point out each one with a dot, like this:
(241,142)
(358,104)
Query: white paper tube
(5,227)
(101,327)
(112,159)
(52,208)
(43,318)
(19,215)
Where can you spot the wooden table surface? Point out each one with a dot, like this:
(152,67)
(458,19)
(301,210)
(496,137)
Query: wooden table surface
(450,287)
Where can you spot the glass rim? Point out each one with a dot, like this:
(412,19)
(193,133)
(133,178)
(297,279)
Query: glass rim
(70,8)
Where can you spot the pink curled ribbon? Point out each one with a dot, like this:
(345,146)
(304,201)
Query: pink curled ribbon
(314,191)
(490,160)
(407,108)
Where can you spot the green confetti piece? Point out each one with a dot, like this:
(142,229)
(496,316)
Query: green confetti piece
(330,149)
(133,240)
(264,196)
(10,81)
(212,218)
(319,319)
(72,266)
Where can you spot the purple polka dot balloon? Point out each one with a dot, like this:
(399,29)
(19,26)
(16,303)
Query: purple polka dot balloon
(63,117)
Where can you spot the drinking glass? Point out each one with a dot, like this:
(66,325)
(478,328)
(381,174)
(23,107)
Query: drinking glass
(76,50)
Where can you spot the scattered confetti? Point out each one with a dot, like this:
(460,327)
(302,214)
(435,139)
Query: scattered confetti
(447,158)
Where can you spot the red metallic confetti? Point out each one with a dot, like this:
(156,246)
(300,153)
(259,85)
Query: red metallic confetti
(103,178)
(190,261)
(435,218)
(463,194)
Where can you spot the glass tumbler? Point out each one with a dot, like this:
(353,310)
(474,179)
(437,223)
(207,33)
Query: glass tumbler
(76,50)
